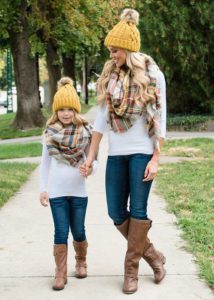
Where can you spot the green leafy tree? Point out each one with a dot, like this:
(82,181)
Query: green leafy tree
(179,35)
(15,30)
(71,31)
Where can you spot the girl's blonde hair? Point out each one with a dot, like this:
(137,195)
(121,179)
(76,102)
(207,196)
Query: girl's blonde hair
(137,63)
(76,120)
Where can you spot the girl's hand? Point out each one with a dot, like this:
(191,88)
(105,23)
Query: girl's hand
(151,170)
(44,198)
(82,169)
(86,168)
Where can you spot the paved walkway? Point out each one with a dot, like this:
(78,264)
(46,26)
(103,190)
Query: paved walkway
(26,259)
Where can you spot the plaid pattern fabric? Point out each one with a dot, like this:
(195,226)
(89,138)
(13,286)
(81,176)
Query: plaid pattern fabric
(68,144)
(124,109)
(153,112)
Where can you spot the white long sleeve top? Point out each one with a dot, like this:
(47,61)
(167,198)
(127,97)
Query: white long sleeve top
(60,179)
(136,139)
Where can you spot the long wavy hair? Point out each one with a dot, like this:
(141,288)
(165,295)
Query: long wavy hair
(137,63)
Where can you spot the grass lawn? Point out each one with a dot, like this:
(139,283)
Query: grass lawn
(7,132)
(197,147)
(12,176)
(8,151)
(188,188)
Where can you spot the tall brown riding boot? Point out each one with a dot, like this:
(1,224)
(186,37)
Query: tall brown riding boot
(136,242)
(153,257)
(124,228)
(156,260)
(60,255)
(81,252)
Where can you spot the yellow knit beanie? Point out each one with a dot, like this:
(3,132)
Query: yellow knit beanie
(66,96)
(125,34)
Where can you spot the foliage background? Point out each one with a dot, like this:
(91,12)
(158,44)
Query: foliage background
(179,35)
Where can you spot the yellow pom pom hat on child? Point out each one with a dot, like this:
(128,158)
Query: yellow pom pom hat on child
(66,96)
(125,34)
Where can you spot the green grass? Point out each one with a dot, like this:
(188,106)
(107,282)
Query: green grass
(189,191)
(12,176)
(8,151)
(85,108)
(7,132)
(197,147)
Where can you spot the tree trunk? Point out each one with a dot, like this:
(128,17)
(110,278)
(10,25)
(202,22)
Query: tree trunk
(54,68)
(85,80)
(37,75)
(69,66)
(28,114)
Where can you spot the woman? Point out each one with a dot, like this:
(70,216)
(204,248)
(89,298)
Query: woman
(131,93)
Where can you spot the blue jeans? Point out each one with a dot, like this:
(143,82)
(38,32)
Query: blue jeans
(68,212)
(124,175)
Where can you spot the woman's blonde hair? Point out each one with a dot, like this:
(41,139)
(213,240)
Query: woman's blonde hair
(137,63)
(76,120)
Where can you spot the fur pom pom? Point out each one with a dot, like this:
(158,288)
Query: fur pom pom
(63,81)
(130,15)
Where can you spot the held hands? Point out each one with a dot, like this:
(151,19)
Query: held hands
(151,170)
(86,169)
(44,198)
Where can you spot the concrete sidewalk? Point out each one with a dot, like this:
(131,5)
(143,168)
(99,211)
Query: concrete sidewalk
(27,264)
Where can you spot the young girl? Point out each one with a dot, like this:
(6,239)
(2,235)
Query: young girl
(66,141)
(132,95)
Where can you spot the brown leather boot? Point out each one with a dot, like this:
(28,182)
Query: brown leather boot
(124,228)
(156,260)
(60,255)
(136,242)
(153,257)
(81,252)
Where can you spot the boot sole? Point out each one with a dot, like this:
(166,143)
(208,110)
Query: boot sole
(56,289)
(80,277)
(132,292)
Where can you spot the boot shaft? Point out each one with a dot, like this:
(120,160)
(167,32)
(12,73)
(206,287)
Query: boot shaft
(137,235)
(81,252)
(60,255)
(124,228)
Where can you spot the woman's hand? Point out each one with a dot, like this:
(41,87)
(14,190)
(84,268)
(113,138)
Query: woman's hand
(152,167)
(151,170)
(44,198)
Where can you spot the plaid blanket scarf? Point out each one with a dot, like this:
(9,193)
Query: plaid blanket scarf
(68,144)
(124,109)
